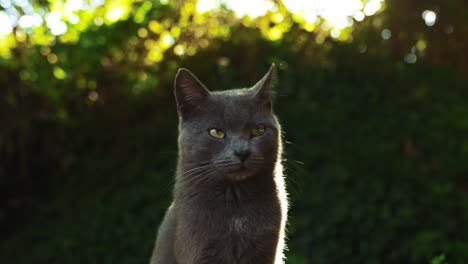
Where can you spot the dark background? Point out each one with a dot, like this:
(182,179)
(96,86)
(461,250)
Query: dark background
(376,144)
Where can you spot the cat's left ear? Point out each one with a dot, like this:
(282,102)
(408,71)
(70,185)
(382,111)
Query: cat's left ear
(190,93)
(263,88)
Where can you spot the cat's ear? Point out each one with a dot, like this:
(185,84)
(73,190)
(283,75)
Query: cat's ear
(263,89)
(189,92)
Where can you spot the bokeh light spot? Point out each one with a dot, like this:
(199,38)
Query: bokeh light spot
(372,7)
(203,19)
(55,24)
(45,50)
(386,34)
(142,32)
(52,58)
(179,50)
(155,55)
(191,51)
(204,43)
(448,29)
(59,73)
(335,33)
(20,35)
(98,21)
(421,45)
(115,13)
(429,17)
(410,58)
(359,16)
(93,96)
(166,40)
(207,5)
(155,27)
(7,26)
(92,84)
(275,34)
(277,18)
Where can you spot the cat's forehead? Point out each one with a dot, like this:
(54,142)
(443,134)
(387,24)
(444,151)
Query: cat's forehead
(233,106)
(236,100)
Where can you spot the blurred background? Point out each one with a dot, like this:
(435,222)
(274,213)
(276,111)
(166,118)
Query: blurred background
(372,96)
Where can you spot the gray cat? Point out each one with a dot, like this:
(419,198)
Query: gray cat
(230,203)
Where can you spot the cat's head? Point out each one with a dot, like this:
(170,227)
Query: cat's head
(226,135)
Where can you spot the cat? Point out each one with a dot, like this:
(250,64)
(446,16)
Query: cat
(230,202)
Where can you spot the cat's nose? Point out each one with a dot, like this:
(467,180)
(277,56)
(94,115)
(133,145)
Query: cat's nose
(242,154)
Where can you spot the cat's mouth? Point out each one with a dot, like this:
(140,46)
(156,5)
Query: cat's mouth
(240,176)
(240,173)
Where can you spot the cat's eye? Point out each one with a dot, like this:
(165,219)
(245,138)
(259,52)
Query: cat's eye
(216,133)
(258,131)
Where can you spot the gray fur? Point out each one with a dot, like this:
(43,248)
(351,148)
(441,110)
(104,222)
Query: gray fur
(229,197)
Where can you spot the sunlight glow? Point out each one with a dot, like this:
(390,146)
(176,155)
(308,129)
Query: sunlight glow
(28,21)
(115,13)
(55,24)
(166,40)
(6,27)
(74,19)
(65,20)
(372,7)
(13,15)
(75,5)
(250,8)
(337,13)
(359,16)
(335,33)
(207,5)
(5,3)
(21,3)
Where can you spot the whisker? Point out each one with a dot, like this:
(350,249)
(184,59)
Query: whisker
(206,177)
(192,172)
(196,163)
(194,169)
(195,174)
(294,172)
(196,179)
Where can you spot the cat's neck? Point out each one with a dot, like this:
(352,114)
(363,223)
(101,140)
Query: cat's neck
(258,187)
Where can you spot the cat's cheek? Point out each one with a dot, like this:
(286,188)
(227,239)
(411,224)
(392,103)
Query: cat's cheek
(215,147)
(266,149)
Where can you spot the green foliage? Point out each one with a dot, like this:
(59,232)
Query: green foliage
(438,260)
(376,149)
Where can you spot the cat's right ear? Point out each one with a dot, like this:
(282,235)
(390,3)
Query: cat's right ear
(189,92)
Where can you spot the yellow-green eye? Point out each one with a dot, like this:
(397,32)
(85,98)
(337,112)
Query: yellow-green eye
(216,133)
(258,131)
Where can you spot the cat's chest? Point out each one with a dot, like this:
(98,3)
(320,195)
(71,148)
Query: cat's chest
(243,239)
(239,225)
(251,221)
(234,211)
(233,218)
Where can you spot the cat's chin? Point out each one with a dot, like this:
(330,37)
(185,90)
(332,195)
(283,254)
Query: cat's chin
(241,174)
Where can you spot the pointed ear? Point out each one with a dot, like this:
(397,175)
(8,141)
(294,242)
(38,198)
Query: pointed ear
(263,88)
(189,92)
